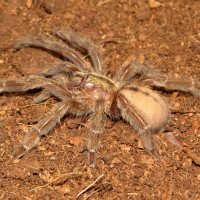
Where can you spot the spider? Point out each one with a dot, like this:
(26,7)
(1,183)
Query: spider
(82,83)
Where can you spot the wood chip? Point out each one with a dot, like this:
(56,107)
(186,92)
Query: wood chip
(29,3)
(154,4)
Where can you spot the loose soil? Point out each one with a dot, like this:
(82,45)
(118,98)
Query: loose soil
(165,35)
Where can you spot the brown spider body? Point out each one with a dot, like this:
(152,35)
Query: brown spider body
(95,88)
(87,90)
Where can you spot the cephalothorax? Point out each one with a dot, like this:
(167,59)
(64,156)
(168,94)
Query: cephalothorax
(87,89)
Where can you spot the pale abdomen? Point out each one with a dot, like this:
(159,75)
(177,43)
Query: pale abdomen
(148,105)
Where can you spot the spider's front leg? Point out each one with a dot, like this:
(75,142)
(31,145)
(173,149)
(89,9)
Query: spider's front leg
(84,45)
(96,128)
(60,74)
(144,110)
(57,47)
(61,67)
(34,82)
(46,124)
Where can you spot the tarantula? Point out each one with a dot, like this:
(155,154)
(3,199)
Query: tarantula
(85,87)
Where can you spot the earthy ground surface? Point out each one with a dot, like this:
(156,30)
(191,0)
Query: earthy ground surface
(165,35)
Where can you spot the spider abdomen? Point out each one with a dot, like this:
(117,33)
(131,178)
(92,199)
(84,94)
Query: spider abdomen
(144,104)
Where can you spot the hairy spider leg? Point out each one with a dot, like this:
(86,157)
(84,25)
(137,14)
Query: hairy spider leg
(83,44)
(44,126)
(61,67)
(61,79)
(54,46)
(131,68)
(34,82)
(49,121)
(96,128)
(182,84)
(58,73)
(42,96)
(32,138)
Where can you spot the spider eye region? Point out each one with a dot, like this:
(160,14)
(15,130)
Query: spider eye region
(98,89)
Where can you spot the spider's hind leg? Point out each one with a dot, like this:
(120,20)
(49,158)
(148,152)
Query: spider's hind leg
(131,116)
(145,110)
(182,84)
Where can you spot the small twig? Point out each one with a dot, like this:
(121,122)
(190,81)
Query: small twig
(92,193)
(56,179)
(185,112)
(114,40)
(165,22)
(195,158)
(91,185)
(28,105)
(194,38)
(1,197)
(100,188)
(100,3)
(133,194)
(2,154)
(195,192)
(170,188)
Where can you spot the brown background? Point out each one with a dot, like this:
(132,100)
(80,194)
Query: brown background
(165,35)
